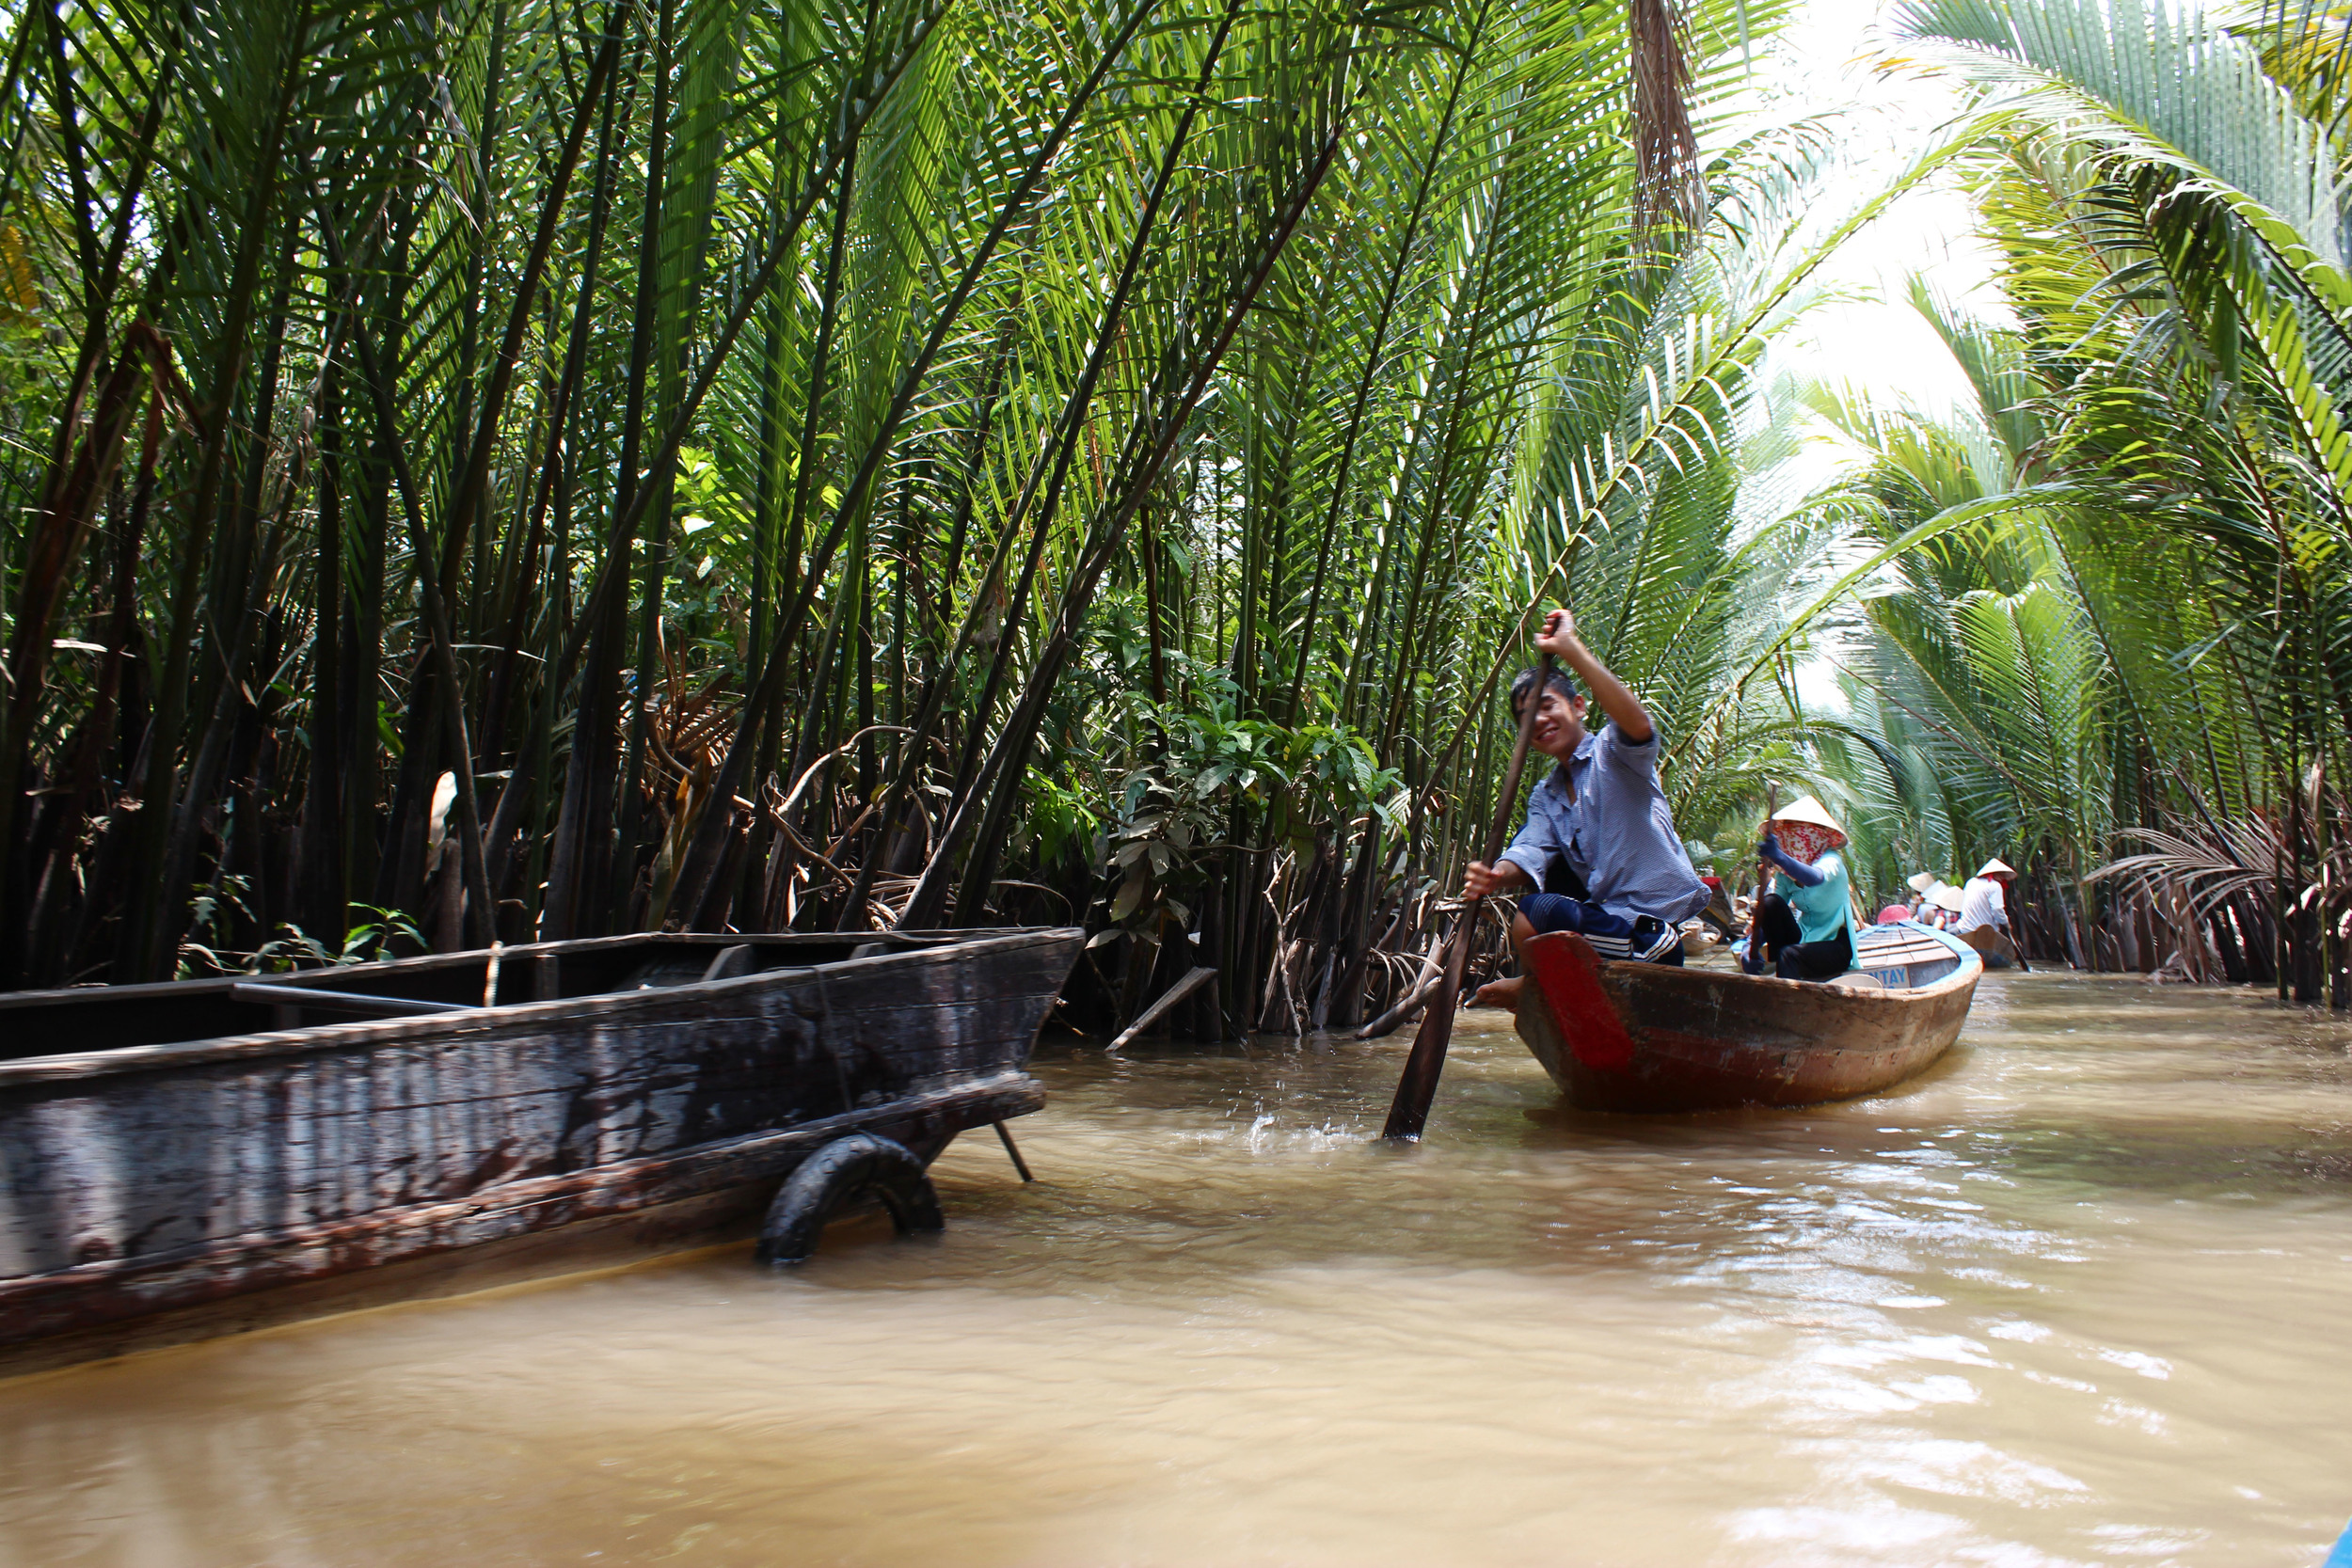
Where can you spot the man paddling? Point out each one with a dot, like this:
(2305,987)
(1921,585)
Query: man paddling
(1599,854)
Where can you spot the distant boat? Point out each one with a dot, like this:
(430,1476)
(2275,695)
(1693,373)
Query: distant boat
(1645,1037)
(165,1147)
(1994,944)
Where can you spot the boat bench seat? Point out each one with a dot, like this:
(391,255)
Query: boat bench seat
(1861,980)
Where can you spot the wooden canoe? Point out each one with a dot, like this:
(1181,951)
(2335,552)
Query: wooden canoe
(166,1146)
(1994,944)
(1644,1036)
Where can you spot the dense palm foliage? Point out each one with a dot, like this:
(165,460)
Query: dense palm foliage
(2138,644)
(500,470)
(505,470)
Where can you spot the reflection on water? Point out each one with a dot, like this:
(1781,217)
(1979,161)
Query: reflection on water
(2077,1296)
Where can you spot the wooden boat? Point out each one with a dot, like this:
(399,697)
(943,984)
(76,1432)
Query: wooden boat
(165,1147)
(1994,944)
(1644,1036)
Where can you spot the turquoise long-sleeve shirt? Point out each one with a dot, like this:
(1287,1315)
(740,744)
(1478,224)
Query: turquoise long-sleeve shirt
(1821,911)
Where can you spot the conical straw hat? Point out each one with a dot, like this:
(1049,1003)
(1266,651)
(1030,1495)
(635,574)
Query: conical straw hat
(1809,809)
(1995,868)
(1923,881)
(1945,896)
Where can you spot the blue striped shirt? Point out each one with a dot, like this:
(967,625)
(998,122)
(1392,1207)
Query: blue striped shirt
(1603,814)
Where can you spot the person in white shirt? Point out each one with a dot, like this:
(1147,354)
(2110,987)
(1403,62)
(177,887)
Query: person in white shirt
(1981,902)
(1984,906)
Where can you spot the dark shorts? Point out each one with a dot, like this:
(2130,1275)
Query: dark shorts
(1612,936)
(1790,957)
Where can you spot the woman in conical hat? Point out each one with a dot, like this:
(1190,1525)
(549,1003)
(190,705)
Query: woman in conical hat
(1803,927)
(1922,883)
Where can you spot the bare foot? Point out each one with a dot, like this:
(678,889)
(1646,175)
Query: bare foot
(1500,993)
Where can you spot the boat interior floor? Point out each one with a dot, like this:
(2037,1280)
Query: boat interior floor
(1897,958)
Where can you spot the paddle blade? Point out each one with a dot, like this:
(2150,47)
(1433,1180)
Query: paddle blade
(1419,1084)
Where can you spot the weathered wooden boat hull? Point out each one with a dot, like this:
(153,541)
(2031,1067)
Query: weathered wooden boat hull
(1994,944)
(1652,1037)
(142,1179)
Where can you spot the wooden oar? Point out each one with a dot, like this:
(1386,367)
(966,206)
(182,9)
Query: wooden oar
(1419,1086)
(1764,879)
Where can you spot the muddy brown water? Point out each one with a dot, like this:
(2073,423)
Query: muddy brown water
(2078,1296)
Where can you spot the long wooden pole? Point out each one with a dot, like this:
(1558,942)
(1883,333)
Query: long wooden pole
(1763,880)
(1419,1086)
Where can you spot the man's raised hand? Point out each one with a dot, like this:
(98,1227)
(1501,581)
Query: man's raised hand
(1559,634)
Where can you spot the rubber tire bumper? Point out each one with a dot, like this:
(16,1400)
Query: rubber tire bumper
(845,1171)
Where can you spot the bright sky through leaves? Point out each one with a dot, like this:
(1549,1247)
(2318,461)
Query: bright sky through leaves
(1872,338)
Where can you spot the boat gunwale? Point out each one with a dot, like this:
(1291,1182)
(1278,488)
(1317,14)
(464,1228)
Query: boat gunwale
(1969,970)
(212,985)
(262,1045)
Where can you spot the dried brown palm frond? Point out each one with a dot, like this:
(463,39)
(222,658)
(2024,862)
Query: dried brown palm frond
(2213,861)
(2193,871)
(1667,190)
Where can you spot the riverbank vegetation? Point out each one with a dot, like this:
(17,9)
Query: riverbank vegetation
(502,470)
(2134,676)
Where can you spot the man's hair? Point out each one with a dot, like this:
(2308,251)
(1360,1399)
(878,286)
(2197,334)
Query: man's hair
(1561,681)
